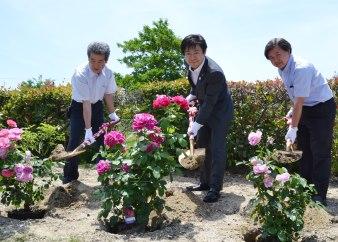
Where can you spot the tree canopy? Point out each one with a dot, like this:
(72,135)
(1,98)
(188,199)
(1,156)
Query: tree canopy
(154,55)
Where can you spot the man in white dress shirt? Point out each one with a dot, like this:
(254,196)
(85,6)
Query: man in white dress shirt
(91,83)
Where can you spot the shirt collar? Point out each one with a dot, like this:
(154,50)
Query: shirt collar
(93,74)
(288,65)
(198,69)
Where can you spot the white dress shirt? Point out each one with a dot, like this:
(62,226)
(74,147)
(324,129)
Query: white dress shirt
(302,79)
(195,73)
(89,86)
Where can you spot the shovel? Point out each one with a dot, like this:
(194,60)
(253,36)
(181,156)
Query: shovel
(59,152)
(192,158)
(289,155)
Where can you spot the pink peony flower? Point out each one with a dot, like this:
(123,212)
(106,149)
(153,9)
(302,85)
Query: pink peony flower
(24,173)
(11,123)
(144,120)
(284,177)
(4,133)
(268,181)
(3,153)
(152,146)
(261,168)
(5,144)
(156,135)
(192,111)
(255,160)
(125,168)
(255,137)
(181,101)
(113,138)
(7,173)
(161,101)
(103,166)
(15,134)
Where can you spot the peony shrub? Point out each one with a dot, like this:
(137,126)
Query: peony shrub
(24,177)
(281,197)
(133,172)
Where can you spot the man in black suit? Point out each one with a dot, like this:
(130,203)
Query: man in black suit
(209,87)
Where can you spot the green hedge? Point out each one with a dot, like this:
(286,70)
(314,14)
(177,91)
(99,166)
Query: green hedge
(258,105)
(33,106)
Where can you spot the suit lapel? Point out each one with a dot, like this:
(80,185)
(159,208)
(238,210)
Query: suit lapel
(190,80)
(203,71)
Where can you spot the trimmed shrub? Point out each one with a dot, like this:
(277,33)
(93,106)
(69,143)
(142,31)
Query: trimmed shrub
(32,106)
(43,139)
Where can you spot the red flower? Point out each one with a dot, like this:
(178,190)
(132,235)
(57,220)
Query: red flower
(11,123)
(7,173)
(161,101)
(113,138)
(152,146)
(143,120)
(181,101)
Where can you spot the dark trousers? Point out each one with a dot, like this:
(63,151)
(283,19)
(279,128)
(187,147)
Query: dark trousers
(77,130)
(213,167)
(315,134)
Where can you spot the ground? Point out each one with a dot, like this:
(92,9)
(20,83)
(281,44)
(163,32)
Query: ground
(73,215)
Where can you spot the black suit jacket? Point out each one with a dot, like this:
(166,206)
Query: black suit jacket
(211,90)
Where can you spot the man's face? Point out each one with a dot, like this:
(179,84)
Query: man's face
(96,63)
(194,56)
(278,57)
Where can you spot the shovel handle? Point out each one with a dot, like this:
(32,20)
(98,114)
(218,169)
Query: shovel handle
(97,134)
(289,146)
(191,142)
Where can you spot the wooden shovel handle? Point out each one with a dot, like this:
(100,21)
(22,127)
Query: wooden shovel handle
(289,146)
(96,135)
(191,141)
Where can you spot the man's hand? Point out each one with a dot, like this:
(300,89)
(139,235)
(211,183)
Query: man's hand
(291,134)
(194,128)
(114,117)
(191,98)
(289,114)
(89,136)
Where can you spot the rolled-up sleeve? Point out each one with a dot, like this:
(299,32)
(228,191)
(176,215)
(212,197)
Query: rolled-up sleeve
(111,87)
(80,88)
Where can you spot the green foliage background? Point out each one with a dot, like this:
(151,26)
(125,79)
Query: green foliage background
(258,105)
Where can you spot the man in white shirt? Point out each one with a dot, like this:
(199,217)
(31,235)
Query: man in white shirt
(91,83)
(312,115)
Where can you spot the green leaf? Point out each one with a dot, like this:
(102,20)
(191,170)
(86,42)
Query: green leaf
(157,172)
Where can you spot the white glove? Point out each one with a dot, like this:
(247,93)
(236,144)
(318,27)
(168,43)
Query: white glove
(194,128)
(89,136)
(113,117)
(190,97)
(291,134)
(289,114)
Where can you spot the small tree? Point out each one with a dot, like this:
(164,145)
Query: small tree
(154,55)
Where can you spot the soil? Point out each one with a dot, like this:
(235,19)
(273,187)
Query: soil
(73,210)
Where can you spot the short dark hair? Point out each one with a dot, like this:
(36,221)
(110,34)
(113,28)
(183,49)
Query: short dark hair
(98,48)
(280,42)
(193,40)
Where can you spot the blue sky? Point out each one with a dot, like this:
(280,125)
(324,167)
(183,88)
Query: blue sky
(50,37)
